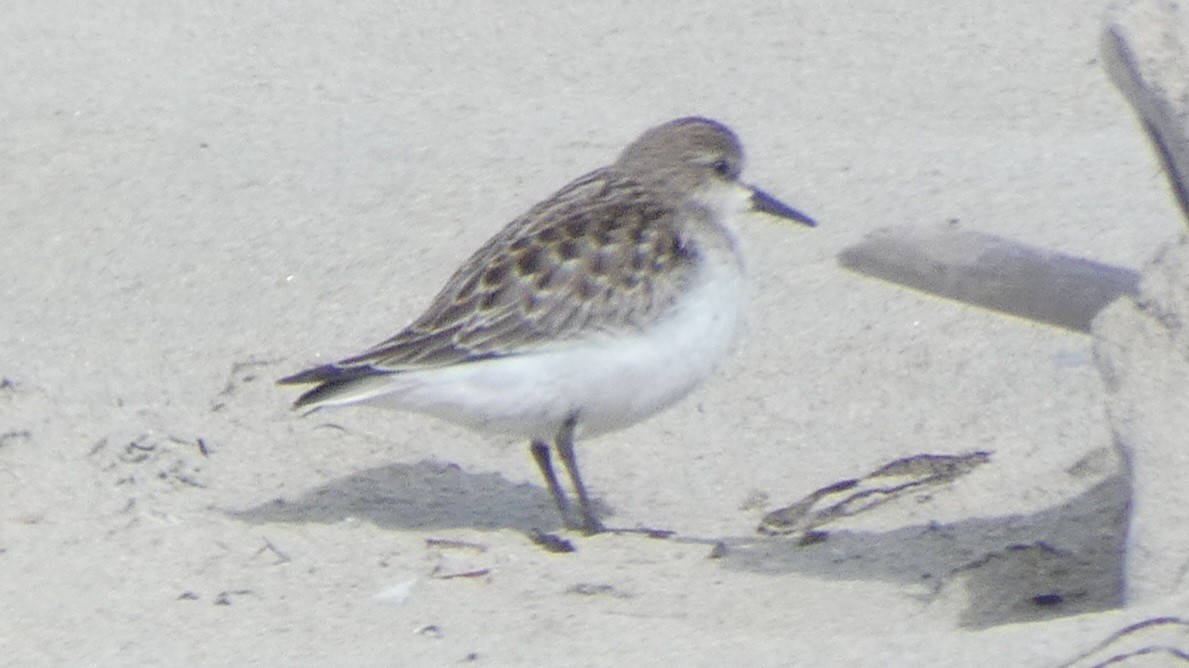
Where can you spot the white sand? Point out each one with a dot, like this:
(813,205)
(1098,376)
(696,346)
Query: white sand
(195,202)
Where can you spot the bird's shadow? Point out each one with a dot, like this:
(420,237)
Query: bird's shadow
(1015,569)
(425,495)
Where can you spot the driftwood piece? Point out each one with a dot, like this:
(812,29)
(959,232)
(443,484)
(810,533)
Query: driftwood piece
(1143,49)
(1141,345)
(992,272)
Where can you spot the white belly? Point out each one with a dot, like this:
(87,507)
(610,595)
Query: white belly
(608,383)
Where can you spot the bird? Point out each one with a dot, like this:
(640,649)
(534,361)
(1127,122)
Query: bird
(600,306)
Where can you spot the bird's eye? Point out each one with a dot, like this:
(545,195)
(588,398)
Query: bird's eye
(722,168)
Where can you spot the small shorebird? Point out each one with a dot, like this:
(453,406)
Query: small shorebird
(597,308)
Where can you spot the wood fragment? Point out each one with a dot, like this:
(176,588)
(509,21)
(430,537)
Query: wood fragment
(992,272)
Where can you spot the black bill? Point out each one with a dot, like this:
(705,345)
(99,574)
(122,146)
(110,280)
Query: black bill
(762,201)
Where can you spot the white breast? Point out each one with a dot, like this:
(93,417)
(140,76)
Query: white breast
(610,383)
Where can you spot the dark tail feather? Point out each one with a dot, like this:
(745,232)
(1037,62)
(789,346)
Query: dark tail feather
(328,373)
(331,380)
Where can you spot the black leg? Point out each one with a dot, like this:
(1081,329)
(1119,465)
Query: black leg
(545,463)
(565,448)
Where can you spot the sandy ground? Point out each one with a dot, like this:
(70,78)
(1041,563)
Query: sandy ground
(197,201)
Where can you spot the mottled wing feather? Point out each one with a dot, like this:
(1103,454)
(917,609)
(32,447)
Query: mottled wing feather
(599,256)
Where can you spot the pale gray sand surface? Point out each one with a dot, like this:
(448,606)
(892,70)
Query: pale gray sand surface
(195,201)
